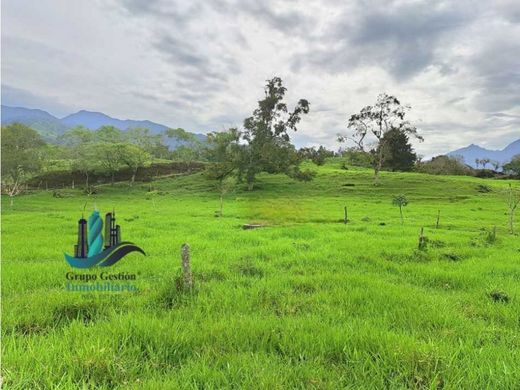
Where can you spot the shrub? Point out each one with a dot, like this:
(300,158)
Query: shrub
(444,165)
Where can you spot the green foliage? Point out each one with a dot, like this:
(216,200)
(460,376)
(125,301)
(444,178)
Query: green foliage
(22,157)
(398,154)
(268,146)
(189,147)
(22,149)
(316,155)
(357,158)
(484,188)
(444,165)
(376,121)
(400,201)
(513,166)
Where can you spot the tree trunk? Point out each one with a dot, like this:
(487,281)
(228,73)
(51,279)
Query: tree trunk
(221,203)
(112,179)
(250,185)
(379,164)
(511,228)
(132,180)
(11,200)
(86,181)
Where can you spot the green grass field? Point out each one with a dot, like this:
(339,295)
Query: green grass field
(305,302)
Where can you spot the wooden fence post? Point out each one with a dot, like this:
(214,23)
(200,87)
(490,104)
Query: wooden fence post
(186,267)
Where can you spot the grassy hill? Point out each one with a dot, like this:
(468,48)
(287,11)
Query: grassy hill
(305,302)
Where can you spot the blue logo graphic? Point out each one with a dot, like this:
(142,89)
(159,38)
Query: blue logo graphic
(89,250)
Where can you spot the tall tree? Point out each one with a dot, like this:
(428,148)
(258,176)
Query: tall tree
(150,143)
(513,166)
(189,147)
(266,134)
(377,120)
(22,156)
(398,154)
(81,143)
(109,156)
(134,158)
(223,154)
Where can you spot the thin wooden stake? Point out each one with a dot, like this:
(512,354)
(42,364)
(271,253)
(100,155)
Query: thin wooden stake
(346,215)
(438,218)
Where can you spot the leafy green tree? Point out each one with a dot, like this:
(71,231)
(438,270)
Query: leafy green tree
(189,147)
(357,158)
(445,165)
(82,145)
(268,146)
(109,155)
(316,155)
(513,166)
(223,154)
(109,134)
(22,156)
(134,157)
(398,154)
(150,143)
(375,122)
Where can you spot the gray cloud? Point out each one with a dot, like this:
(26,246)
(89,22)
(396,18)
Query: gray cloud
(401,37)
(202,65)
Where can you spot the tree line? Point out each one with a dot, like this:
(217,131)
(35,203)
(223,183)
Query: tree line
(380,132)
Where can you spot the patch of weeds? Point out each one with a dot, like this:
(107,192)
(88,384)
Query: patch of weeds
(207,276)
(302,246)
(85,312)
(437,243)
(499,296)
(133,218)
(365,219)
(382,223)
(30,328)
(416,256)
(483,188)
(249,269)
(174,294)
(303,288)
(486,237)
(348,185)
(452,256)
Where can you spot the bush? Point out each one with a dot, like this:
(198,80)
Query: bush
(357,158)
(444,165)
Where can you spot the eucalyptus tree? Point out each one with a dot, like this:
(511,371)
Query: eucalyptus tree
(266,134)
(375,122)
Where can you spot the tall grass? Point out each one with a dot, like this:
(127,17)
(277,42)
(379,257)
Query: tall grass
(305,302)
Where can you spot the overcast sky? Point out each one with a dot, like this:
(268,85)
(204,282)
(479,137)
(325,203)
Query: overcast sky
(202,65)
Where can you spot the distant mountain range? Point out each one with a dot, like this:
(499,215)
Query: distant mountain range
(472,152)
(51,127)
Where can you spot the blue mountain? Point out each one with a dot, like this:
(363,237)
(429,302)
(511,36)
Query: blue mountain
(94,120)
(51,127)
(472,152)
